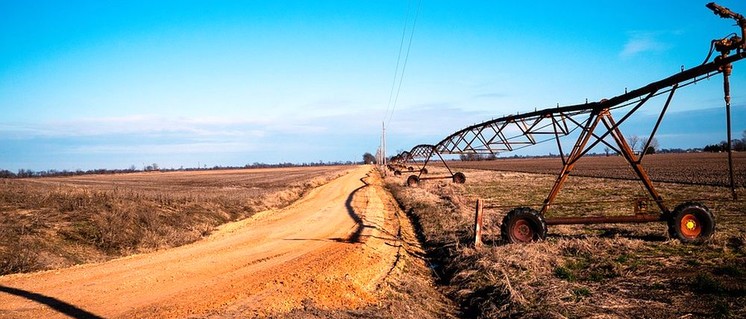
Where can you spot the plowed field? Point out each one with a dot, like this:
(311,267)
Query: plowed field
(687,168)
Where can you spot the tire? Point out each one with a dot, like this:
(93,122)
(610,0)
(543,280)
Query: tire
(523,225)
(411,169)
(413,181)
(691,222)
(397,173)
(459,178)
(423,170)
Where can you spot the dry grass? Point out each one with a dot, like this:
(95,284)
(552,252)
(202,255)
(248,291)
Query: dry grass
(600,271)
(55,222)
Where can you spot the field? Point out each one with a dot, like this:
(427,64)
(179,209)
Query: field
(607,270)
(48,223)
(686,168)
(601,271)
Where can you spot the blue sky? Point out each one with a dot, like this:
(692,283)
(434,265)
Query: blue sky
(110,84)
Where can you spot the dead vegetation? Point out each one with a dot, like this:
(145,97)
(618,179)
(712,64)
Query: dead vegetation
(56,222)
(600,271)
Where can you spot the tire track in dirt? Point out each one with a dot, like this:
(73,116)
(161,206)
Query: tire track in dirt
(328,249)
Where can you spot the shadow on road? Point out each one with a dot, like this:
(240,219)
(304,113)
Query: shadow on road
(54,303)
(355,237)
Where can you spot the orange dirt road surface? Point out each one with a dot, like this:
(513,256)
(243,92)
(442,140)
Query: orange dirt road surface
(330,249)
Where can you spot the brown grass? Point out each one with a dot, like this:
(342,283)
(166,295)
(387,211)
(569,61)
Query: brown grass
(602,271)
(55,222)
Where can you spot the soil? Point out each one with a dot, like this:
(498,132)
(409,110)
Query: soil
(330,249)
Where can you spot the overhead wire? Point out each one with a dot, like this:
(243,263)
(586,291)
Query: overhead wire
(392,105)
(398,60)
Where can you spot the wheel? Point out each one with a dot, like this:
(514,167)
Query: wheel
(410,168)
(397,172)
(459,178)
(413,180)
(523,225)
(691,222)
(423,170)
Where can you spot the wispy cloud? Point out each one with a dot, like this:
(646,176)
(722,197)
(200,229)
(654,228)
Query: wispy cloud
(136,124)
(639,42)
(170,148)
(493,95)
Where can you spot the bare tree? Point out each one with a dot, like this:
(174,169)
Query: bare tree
(633,140)
(652,148)
(607,150)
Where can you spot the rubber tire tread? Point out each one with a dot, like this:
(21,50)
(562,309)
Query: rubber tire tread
(675,219)
(413,181)
(534,217)
(459,178)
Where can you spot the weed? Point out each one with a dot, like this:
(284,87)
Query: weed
(564,273)
(705,283)
(722,310)
(623,258)
(580,293)
(730,270)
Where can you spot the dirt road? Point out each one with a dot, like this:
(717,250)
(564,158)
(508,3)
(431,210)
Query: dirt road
(329,249)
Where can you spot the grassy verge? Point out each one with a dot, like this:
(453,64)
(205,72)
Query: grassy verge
(51,225)
(619,271)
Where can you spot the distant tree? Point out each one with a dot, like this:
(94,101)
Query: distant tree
(368,158)
(715,148)
(739,145)
(7,174)
(607,150)
(652,148)
(475,157)
(633,140)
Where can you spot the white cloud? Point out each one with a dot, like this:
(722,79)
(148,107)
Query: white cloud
(145,125)
(639,42)
(170,148)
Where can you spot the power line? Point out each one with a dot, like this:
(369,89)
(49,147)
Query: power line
(398,59)
(400,75)
(406,58)
(395,97)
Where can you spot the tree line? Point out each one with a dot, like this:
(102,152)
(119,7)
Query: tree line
(739,145)
(27,173)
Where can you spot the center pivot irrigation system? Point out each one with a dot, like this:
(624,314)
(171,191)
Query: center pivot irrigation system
(593,123)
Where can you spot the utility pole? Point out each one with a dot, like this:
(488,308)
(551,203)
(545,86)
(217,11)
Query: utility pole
(383,144)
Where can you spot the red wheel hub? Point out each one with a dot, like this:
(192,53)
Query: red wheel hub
(690,226)
(522,231)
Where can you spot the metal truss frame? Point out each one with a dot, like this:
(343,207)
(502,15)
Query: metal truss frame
(594,123)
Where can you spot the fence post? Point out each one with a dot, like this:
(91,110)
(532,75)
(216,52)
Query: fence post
(478,224)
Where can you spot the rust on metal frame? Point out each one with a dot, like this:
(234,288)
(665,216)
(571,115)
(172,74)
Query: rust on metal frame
(492,137)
